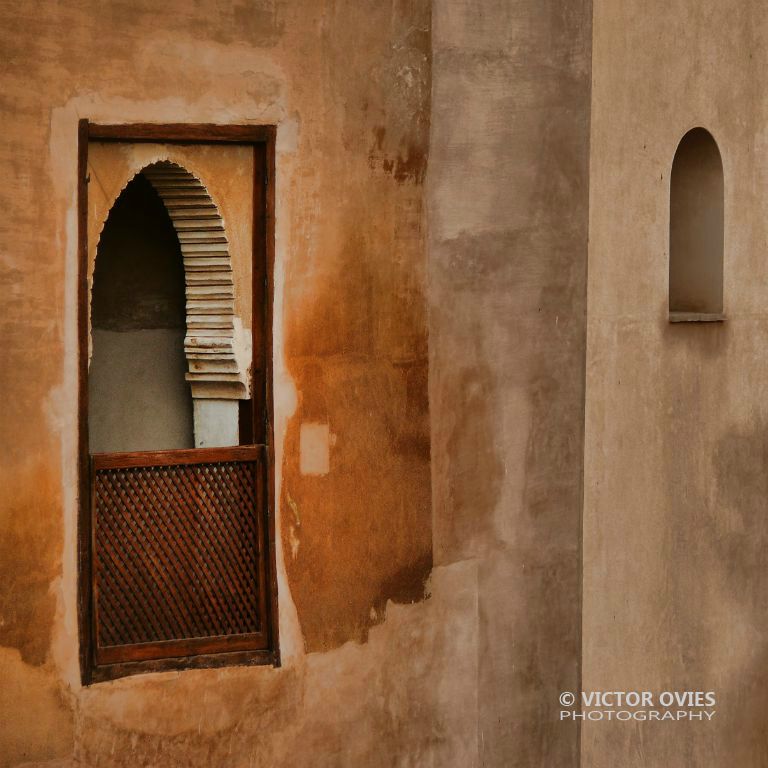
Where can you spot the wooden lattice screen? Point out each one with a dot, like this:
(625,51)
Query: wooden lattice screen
(178,553)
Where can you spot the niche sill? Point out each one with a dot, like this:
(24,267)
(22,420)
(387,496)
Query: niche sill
(696,317)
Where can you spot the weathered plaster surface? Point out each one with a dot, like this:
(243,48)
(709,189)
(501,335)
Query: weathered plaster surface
(675,532)
(508,248)
(356,344)
(348,85)
(390,702)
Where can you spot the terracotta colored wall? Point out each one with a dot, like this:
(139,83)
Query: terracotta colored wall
(348,84)
(508,249)
(675,531)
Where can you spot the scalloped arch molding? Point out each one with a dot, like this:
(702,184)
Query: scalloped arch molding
(209,345)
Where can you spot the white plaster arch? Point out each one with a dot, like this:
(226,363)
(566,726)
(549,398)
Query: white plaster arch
(210,345)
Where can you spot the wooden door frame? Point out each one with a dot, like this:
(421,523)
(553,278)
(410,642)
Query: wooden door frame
(262,139)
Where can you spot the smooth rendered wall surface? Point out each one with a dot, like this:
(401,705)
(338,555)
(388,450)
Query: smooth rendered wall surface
(365,681)
(508,197)
(139,400)
(675,531)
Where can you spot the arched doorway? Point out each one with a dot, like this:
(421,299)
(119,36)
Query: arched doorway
(138,396)
(163,277)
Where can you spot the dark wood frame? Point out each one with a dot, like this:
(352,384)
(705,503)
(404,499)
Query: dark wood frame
(262,139)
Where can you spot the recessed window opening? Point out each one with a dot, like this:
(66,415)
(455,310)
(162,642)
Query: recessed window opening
(139,398)
(175,531)
(696,226)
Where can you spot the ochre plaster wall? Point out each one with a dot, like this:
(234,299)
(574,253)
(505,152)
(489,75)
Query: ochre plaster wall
(364,681)
(508,200)
(675,531)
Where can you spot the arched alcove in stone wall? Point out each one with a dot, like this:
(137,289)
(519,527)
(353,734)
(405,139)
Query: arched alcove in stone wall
(696,228)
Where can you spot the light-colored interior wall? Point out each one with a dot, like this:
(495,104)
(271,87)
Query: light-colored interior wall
(675,532)
(139,400)
(216,422)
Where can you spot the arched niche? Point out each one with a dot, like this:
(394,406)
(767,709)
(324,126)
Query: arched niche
(214,375)
(696,228)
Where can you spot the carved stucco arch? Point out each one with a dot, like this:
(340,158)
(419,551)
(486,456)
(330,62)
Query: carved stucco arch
(213,369)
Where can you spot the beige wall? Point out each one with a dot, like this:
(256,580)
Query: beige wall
(675,532)
(508,250)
